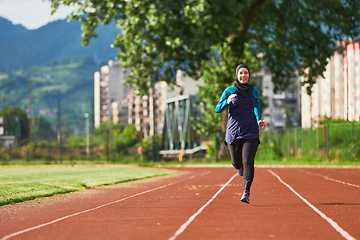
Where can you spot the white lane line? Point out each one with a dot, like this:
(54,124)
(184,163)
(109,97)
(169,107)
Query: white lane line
(329,220)
(187,223)
(92,209)
(331,179)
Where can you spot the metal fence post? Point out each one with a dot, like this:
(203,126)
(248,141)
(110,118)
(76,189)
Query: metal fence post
(327,140)
(289,143)
(317,141)
(107,147)
(60,148)
(309,140)
(49,153)
(324,141)
(352,142)
(216,146)
(282,145)
(295,142)
(302,142)
(71,156)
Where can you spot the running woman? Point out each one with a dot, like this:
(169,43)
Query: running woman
(242,130)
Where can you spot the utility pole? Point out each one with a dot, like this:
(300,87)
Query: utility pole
(152,118)
(29,80)
(284,117)
(59,128)
(87,134)
(58,125)
(152,109)
(4,96)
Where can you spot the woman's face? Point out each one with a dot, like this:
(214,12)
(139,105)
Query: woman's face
(243,75)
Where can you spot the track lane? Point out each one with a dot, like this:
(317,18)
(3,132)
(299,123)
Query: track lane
(33,213)
(339,201)
(146,216)
(274,212)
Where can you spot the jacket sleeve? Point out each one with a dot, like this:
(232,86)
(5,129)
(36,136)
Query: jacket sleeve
(222,104)
(257,107)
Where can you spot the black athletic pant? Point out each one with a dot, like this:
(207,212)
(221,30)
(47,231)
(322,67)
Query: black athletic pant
(242,154)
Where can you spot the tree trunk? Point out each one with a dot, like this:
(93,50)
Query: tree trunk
(223,152)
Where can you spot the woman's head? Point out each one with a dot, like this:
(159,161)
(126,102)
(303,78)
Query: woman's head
(242,73)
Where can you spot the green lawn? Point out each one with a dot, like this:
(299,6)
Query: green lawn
(22,183)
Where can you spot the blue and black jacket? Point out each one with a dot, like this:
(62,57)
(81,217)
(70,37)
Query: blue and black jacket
(244,114)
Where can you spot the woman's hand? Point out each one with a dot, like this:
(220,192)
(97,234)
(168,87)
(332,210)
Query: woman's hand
(262,123)
(231,98)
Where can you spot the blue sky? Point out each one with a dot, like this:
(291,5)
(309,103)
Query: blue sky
(32,14)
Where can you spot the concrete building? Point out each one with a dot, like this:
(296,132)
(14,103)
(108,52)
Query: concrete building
(139,112)
(5,139)
(337,94)
(283,107)
(142,108)
(108,89)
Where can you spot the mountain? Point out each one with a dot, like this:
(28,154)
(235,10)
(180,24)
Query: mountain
(9,30)
(56,40)
(70,79)
(61,68)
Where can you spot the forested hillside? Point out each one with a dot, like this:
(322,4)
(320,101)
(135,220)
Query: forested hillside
(70,79)
(9,30)
(61,68)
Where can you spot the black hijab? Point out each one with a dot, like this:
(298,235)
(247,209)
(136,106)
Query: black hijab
(243,89)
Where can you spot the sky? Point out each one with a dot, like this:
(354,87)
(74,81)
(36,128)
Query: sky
(32,14)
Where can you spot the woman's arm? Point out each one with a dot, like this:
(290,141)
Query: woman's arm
(222,104)
(257,107)
(257,110)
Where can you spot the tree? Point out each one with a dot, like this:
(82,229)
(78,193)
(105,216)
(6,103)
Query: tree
(105,127)
(127,139)
(207,37)
(291,35)
(12,115)
(42,129)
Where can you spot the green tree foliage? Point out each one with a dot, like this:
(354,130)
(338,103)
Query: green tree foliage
(147,145)
(127,139)
(41,129)
(105,128)
(196,36)
(291,35)
(12,116)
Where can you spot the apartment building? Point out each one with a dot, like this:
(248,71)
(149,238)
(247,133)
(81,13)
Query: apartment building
(282,107)
(109,93)
(147,112)
(337,94)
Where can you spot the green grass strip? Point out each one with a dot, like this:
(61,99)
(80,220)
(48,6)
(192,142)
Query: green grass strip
(22,183)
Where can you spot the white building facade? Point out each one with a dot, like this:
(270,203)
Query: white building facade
(337,94)
(109,89)
(147,112)
(283,107)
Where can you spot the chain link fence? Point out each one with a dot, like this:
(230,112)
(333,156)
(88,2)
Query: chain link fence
(330,142)
(73,150)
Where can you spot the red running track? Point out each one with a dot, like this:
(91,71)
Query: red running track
(199,203)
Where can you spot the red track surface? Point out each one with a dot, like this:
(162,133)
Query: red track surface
(157,208)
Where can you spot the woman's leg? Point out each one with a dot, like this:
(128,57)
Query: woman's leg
(249,148)
(235,154)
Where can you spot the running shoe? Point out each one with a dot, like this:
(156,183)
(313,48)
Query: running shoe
(245,197)
(240,171)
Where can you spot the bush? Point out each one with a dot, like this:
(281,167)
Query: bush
(147,146)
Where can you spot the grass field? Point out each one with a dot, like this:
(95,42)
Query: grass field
(22,183)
